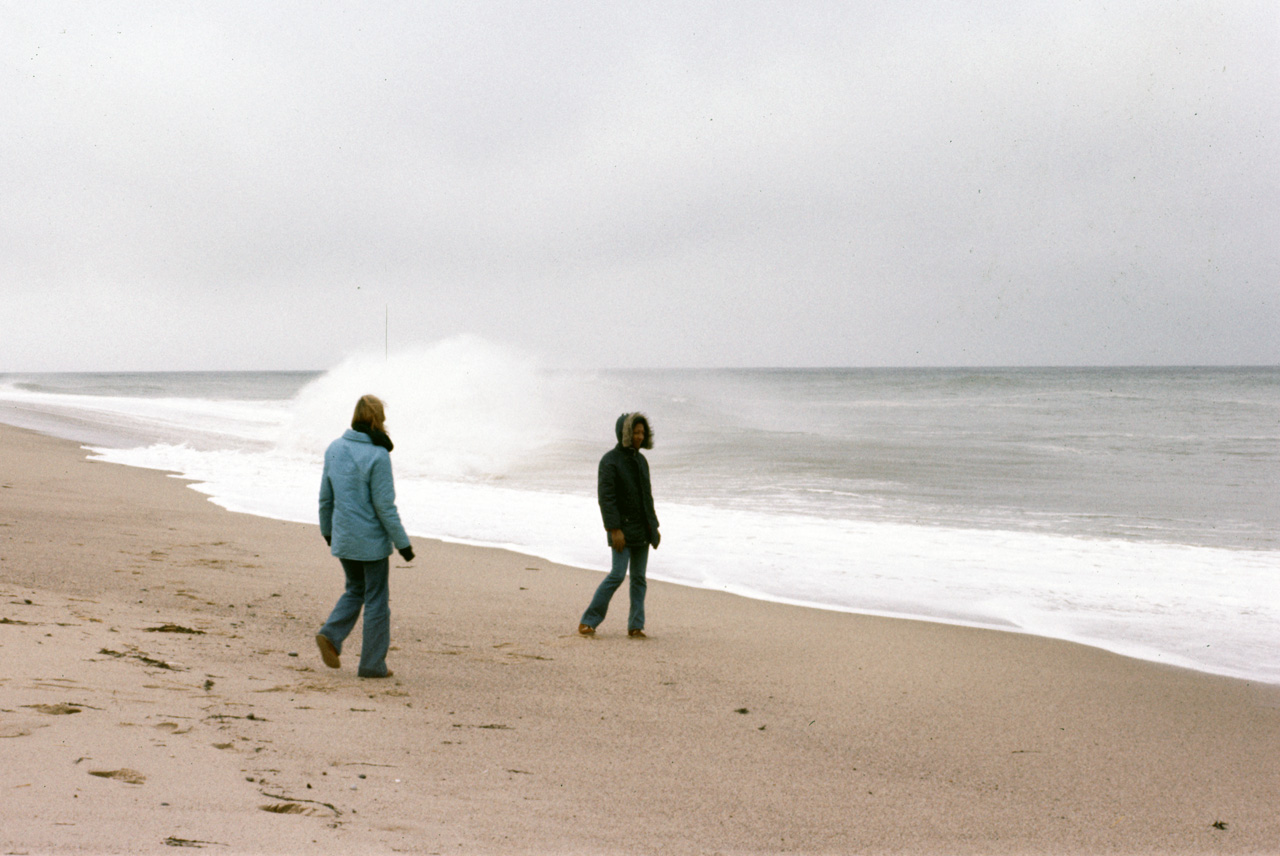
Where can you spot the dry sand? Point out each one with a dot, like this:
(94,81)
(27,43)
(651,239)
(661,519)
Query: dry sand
(160,688)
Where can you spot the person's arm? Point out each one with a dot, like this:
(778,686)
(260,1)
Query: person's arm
(646,496)
(607,496)
(382,491)
(326,506)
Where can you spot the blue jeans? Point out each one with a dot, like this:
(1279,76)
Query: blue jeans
(367,586)
(638,558)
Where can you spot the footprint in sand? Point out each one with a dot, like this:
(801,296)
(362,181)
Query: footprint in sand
(132,777)
(172,728)
(18,729)
(54,709)
(293,805)
(54,684)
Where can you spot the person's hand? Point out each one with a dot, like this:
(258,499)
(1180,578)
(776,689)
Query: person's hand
(657,538)
(328,539)
(406,553)
(617,540)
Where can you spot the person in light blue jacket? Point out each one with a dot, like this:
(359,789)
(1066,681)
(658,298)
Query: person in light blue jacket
(359,521)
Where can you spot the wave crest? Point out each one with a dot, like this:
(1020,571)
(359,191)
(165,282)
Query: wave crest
(460,408)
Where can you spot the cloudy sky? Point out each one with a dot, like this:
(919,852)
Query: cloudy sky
(248,185)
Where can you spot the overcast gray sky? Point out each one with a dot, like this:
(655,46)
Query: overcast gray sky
(249,185)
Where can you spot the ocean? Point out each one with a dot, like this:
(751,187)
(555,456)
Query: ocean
(1132,509)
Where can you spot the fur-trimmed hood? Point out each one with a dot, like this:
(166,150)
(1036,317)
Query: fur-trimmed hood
(626,424)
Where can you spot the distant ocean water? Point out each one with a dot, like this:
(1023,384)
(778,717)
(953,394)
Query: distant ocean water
(1128,508)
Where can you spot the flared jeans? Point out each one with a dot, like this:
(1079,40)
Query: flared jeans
(367,587)
(638,558)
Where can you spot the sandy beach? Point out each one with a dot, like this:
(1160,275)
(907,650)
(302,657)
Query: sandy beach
(161,688)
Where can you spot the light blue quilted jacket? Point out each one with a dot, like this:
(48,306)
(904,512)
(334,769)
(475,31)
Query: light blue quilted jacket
(358,500)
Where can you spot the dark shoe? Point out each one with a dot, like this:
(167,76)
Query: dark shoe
(328,653)
(586,630)
(637,634)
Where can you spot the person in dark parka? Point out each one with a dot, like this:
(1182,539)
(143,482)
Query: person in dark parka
(626,506)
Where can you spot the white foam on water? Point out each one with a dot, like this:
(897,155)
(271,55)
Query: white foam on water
(464,408)
(191,420)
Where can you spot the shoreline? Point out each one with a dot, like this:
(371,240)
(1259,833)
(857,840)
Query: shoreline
(742,725)
(1121,647)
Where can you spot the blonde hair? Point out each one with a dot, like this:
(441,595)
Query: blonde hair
(370,409)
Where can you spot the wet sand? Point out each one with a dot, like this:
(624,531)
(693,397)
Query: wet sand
(161,688)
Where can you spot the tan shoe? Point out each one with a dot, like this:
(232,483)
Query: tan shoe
(637,634)
(328,653)
(586,630)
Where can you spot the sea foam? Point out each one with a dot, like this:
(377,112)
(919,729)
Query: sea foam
(464,408)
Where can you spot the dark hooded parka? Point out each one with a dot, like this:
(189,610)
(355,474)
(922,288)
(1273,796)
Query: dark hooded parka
(622,485)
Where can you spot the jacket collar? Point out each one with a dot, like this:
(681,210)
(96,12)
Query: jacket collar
(376,436)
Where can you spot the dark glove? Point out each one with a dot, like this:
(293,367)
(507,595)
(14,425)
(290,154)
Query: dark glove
(407,553)
(328,539)
(656,539)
